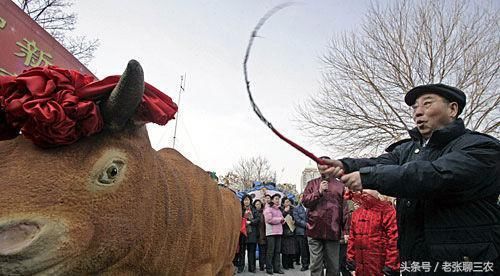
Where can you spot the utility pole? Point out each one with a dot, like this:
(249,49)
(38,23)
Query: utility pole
(181,88)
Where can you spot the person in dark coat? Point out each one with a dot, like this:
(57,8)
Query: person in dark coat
(288,244)
(446,180)
(248,243)
(259,206)
(345,238)
(326,217)
(300,218)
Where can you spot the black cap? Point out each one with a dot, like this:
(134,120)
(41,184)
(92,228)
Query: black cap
(450,93)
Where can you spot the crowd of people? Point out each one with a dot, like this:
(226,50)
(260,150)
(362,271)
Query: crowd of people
(312,233)
(274,227)
(446,217)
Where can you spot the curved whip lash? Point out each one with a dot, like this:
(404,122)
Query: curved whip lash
(254,106)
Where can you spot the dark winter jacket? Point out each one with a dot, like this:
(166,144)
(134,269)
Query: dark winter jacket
(348,218)
(253,227)
(327,212)
(300,217)
(288,242)
(262,228)
(447,193)
(287,232)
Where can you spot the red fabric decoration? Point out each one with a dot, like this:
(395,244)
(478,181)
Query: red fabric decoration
(243,229)
(363,199)
(54,106)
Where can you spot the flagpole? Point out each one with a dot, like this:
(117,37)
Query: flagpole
(181,88)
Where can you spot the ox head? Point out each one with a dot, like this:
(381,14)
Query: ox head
(82,207)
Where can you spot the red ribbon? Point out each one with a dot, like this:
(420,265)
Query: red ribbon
(54,106)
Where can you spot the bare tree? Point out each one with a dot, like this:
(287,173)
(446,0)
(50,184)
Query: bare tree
(54,17)
(360,109)
(252,169)
(232,180)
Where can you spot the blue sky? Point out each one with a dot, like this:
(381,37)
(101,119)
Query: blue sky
(206,40)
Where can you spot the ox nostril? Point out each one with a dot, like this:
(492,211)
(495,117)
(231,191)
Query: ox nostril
(15,238)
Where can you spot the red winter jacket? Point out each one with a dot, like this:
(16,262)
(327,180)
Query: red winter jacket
(372,246)
(326,213)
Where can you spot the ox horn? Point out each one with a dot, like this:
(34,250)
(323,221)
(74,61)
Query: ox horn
(125,97)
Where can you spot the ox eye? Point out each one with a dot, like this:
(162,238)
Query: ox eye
(110,173)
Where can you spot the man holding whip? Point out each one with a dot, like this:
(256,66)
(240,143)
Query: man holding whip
(446,180)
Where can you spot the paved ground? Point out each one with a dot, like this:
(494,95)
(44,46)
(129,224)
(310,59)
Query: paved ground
(290,272)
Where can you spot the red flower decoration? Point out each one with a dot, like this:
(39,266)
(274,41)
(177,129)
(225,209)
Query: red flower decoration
(54,106)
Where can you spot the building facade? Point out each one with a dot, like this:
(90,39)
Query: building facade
(307,174)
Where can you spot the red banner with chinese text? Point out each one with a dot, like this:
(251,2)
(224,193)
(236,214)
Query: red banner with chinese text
(24,44)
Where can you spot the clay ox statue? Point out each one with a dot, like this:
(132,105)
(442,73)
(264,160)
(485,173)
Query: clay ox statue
(111,205)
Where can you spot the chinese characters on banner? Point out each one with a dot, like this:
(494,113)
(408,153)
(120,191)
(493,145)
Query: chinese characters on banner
(32,55)
(24,44)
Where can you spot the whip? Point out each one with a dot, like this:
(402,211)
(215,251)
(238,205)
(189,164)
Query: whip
(254,106)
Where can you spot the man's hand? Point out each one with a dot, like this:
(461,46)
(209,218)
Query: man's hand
(335,168)
(323,186)
(352,181)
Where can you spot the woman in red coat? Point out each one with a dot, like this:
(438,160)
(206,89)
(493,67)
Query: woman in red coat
(372,245)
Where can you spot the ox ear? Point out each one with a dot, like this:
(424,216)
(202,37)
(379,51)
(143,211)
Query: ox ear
(123,101)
